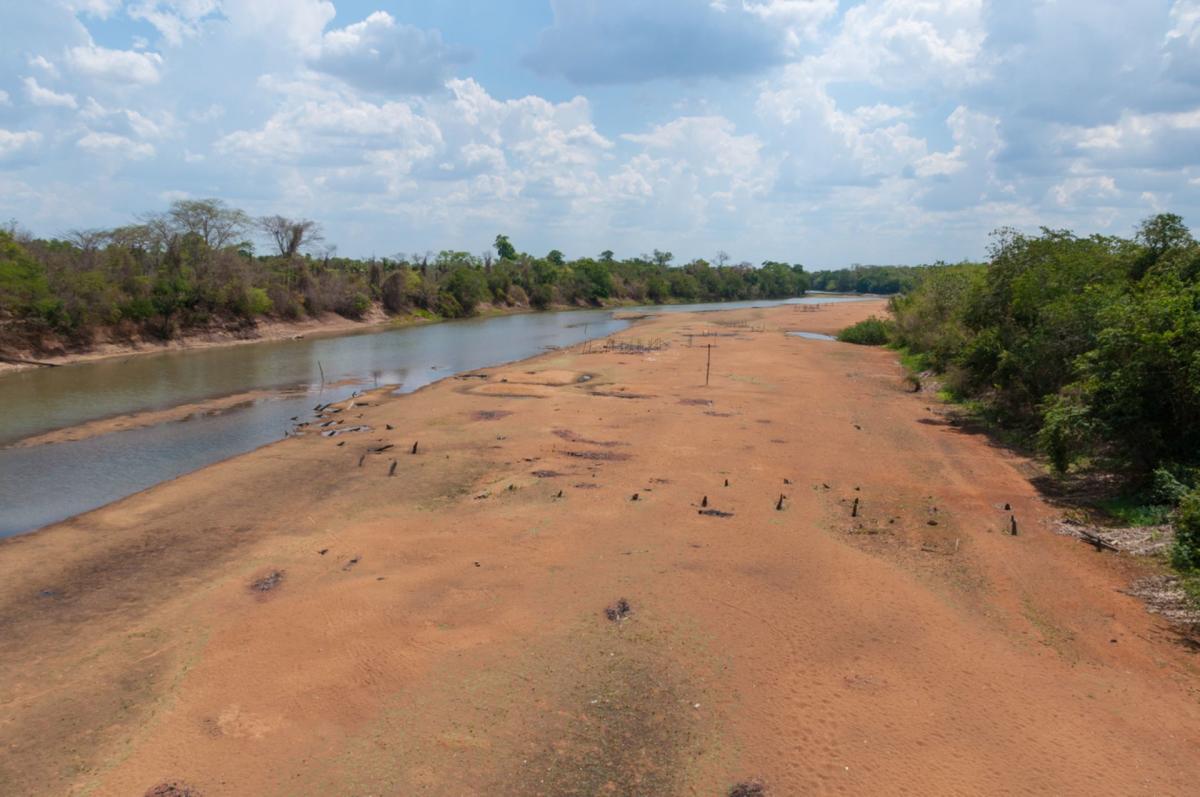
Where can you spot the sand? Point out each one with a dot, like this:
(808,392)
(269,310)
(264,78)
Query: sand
(289,622)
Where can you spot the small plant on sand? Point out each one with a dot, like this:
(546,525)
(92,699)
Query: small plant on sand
(872,331)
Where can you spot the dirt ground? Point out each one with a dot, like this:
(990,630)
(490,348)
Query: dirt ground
(597,575)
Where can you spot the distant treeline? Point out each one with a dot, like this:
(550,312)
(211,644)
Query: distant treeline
(1090,346)
(867,279)
(196,263)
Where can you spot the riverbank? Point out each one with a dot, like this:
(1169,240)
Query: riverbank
(588,572)
(262,331)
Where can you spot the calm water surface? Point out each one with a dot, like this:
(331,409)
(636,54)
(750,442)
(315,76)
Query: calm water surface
(48,483)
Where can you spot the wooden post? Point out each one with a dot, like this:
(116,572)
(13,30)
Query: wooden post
(854,511)
(708,365)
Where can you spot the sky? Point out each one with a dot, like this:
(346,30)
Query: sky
(824,132)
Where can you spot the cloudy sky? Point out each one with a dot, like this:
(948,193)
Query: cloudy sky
(820,131)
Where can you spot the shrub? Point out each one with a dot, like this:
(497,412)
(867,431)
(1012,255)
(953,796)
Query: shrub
(869,332)
(1186,553)
(257,302)
(1166,488)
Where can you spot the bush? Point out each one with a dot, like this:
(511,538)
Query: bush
(257,302)
(1166,488)
(870,332)
(1186,554)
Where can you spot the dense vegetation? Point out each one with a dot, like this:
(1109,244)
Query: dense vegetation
(871,331)
(1088,346)
(196,264)
(867,279)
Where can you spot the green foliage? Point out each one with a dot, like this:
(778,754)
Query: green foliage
(504,248)
(1091,343)
(1186,553)
(192,265)
(1166,489)
(1134,510)
(23,286)
(871,331)
(867,279)
(257,302)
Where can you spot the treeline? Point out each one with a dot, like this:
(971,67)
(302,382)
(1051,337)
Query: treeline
(867,279)
(197,263)
(1089,345)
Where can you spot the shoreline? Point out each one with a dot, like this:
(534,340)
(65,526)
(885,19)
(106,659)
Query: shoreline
(436,607)
(329,325)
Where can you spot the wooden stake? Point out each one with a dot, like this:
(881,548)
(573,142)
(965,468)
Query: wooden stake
(708,365)
(854,511)
(1012,525)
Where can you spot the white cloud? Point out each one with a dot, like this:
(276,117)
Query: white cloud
(117,66)
(112,144)
(378,54)
(1077,190)
(12,141)
(1185,22)
(902,43)
(102,9)
(284,23)
(4,99)
(175,20)
(46,98)
(39,62)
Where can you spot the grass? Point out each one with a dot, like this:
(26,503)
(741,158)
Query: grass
(1133,510)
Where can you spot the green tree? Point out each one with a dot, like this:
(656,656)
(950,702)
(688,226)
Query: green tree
(504,249)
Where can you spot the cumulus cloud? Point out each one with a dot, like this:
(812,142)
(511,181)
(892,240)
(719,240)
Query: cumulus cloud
(47,98)
(283,23)
(631,41)
(380,55)
(13,141)
(175,20)
(111,144)
(116,66)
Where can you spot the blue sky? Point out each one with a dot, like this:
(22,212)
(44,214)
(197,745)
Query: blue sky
(813,131)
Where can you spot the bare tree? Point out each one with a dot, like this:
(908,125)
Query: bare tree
(291,235)
(89,243)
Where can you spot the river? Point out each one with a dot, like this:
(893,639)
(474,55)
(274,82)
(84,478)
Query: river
(48,483)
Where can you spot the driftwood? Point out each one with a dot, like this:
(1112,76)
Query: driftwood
(1094,539)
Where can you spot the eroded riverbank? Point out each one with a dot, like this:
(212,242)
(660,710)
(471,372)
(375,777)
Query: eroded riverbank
(434,616)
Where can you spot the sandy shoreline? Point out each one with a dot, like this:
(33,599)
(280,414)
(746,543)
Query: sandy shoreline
(316,618)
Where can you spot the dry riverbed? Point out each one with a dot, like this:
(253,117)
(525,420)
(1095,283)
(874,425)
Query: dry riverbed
(589,573)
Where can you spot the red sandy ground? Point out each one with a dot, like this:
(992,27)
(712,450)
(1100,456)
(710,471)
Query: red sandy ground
(451,639)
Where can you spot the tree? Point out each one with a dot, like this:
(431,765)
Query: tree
(504,249)
(291,235)
(556,257)
(217,224)
(607,256)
